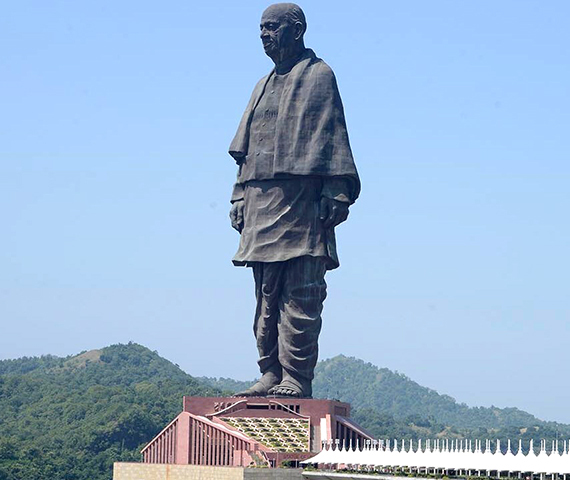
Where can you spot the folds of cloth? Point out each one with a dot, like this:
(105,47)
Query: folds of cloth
(281,222)
(287,324)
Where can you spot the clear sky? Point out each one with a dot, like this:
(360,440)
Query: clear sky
(115,184)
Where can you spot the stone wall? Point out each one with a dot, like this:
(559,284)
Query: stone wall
(273,474)
(148,471)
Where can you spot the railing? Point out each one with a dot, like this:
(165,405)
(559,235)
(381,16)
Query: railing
(163,447)
(211,444)
(196,440)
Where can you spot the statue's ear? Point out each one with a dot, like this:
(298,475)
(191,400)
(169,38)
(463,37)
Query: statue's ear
(299,30)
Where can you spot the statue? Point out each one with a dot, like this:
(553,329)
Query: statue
(296,180)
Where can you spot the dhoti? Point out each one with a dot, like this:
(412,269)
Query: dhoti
(287,322)
(281,222)
(284,240)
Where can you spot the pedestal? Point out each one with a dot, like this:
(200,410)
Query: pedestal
(252,431)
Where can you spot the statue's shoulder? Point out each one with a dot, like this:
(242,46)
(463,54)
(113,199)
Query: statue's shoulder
(263,80)
(261,84)
(320,68)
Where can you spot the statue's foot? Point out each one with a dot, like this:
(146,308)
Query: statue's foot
(260,389)
(256,390)
(289,387)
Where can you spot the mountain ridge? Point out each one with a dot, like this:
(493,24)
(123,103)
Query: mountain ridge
(367,386)
(72,417)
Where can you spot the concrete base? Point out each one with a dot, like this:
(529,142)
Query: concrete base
(146,471)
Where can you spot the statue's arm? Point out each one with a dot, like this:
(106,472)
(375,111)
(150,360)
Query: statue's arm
(335,200)
(238,147)
(236,212)
(337,188)
(237,192)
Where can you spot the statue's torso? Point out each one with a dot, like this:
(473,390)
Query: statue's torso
(258,164)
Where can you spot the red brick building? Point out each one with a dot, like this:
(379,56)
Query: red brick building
(220,431)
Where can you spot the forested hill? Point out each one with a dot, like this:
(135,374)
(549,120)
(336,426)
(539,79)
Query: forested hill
(71,418)
(364,385)
(391,404)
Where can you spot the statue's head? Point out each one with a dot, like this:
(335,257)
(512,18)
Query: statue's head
(282,28)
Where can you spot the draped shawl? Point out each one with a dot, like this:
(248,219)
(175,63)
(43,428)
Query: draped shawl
(310,132)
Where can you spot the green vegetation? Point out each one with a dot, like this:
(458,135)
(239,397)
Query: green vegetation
(226,385)
(391,405)
(71,418)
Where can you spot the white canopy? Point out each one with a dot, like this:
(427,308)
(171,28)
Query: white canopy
(449,455)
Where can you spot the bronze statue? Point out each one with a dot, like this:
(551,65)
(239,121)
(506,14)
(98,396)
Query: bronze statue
(295,183)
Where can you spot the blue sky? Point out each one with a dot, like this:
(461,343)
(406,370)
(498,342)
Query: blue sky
(115,185)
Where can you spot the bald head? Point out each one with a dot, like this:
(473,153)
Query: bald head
(289,12)
(282,28)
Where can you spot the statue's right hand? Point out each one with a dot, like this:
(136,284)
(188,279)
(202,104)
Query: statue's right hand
(236,215)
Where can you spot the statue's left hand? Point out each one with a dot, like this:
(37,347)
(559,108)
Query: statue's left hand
(332,212)
(236,215)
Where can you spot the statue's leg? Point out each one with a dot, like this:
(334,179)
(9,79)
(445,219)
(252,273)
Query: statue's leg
(268,285)
(303,294)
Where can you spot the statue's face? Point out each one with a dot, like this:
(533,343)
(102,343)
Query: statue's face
(277,34)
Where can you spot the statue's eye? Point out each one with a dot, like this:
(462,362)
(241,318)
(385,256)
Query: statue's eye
(269,26)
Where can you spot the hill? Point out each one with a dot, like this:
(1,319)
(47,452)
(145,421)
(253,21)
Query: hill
(391,404)
(71,418)
(366,386)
